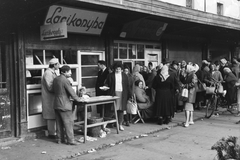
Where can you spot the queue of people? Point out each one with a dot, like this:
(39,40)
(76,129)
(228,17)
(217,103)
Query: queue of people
(157,91)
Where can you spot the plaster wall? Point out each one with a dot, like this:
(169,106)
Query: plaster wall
(231,8)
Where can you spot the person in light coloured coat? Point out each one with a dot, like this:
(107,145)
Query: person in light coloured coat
(48,96)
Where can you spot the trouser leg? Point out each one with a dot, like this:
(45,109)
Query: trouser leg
(67,119)
(126,118)
(59,127)
(120,119)
(51,126)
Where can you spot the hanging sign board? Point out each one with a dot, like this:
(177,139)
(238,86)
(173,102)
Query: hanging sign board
(53,31)
(78,20)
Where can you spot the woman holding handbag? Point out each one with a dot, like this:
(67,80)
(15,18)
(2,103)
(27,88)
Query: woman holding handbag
(190,82)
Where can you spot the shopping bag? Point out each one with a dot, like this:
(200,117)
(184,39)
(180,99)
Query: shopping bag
(210,90)
(201,86)
(132,107)
(184,95)
(220,88)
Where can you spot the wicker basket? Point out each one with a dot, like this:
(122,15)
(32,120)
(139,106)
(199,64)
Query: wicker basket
(94,131)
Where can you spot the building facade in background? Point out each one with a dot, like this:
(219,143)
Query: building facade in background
(82,32)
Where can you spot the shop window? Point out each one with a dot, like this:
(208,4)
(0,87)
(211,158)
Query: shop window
(89,59)
(89,71)
(141,63)
(35,103)
(123,50)
(132,51)
(35,57)
(33,76)
(149,46)
(115,50)
(157,47)
(89,82)
(74,74)
(70,56)
(49,54)
(219,8)
(189,3)
(140,51)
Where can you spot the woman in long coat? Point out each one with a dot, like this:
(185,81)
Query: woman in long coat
(163,83)
(190,82)
(131,87)
(118,84)
(143,100)
(230,81)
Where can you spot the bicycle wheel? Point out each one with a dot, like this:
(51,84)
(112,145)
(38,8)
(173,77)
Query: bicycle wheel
(210,107)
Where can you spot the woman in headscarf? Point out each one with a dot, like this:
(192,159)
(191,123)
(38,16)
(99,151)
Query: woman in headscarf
(163,84)
(136,74)
(190,82)
(230,81)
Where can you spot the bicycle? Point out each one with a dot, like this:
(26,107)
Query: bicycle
(216,101)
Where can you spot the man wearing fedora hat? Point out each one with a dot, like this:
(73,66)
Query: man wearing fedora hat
(48,96)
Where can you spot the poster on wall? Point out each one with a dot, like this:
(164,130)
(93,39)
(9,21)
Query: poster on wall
(78,20)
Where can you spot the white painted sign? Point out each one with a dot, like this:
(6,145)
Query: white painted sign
(78,20)
(53,31)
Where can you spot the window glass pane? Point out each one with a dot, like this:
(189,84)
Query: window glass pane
(157,47)
(141,63)
(33,76)
(140,51)
(149,46)
(189,3)
(51,54)
(35,103)
(69,56)
(89,59)
(89,71)
(115,50)
(89,82)
(132,51)
(219,8)
(74,74)
(123,51)
(37,57)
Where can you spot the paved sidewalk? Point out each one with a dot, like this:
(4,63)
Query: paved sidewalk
(44,148)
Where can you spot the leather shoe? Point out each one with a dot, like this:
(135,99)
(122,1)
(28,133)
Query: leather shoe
(160,121)
(121,128)
(73,143)
(191,123)
(126,123)
(51,136)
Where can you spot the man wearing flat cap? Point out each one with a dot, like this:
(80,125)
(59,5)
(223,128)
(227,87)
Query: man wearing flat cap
(48,96)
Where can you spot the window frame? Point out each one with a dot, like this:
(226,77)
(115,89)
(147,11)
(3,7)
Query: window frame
(219,8)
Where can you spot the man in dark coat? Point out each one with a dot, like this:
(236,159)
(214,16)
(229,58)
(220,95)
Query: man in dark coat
(173,70)
(63,106)
(102,76)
